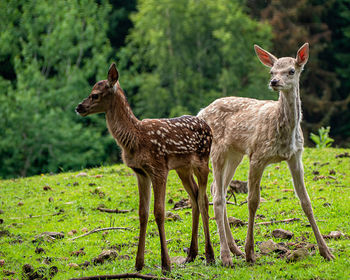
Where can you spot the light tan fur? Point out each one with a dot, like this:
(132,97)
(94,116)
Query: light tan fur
(152,147)
(267,132)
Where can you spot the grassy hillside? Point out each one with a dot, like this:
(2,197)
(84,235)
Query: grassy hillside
(67,203)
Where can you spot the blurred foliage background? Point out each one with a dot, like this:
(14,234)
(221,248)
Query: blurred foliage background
(174,57)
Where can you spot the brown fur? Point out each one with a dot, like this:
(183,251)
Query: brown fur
(266,131)
(152,147)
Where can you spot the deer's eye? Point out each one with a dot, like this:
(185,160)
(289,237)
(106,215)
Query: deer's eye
(291,72)
(94,96)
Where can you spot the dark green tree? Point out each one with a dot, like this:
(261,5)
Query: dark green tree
(51,49)
(325,83)
(181,55)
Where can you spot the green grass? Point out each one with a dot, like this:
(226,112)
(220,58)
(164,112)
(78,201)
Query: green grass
(78,198)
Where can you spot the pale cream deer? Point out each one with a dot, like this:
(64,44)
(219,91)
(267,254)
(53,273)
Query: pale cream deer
(267,132)
(151,148)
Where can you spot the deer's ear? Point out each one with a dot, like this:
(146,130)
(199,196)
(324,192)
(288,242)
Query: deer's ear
(112,75)
(303,54)
(265,57)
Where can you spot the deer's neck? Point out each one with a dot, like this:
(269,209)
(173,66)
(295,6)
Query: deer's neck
(121,121)
(290,109)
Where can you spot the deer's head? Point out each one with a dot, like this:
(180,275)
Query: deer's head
(100,97)
(285,71)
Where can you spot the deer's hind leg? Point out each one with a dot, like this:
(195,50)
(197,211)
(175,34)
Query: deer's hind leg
(201,173)
(233,161)
(224,166)
(191,187)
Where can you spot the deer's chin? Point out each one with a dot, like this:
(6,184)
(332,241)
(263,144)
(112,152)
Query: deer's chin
(83,114)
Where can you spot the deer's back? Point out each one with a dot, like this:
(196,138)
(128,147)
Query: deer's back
(237,121)
(185,139)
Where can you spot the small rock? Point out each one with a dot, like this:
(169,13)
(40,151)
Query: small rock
(51,199)
(2,262)
(48,236)
(184,202)
(234,222)
(105,255)
(283,234)
(334,235)
(53,270)
(270,246)
(238,186)
(39,250)
(1,211)
(173,217)
(73,265)
(20,203)
(98,176)
(8,272)
(81,174)
(343,155)
(80,252)
(297,255)
(124,257)
(84,229)
(178,260)
(85,264)
(170,201)
(267,247)
(47,188)
(316,178)
(332,172)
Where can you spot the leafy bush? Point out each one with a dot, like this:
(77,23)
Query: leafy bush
(322,140)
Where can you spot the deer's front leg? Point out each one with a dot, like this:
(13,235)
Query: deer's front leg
(296,168)
(144,185)
(255,173)
(159,187)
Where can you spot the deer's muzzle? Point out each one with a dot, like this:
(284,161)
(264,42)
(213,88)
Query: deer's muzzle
(81,110)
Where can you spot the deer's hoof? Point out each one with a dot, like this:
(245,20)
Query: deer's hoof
(166,270)
(326,253)
(139,263)
(226,259)
(210,260)
(190,259)
(236,251)
(250,257)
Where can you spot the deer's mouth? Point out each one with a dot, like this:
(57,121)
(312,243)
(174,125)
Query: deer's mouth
(276,87)
(81,110)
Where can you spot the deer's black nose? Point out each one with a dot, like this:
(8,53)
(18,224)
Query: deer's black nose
(80,109)
(274,82)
